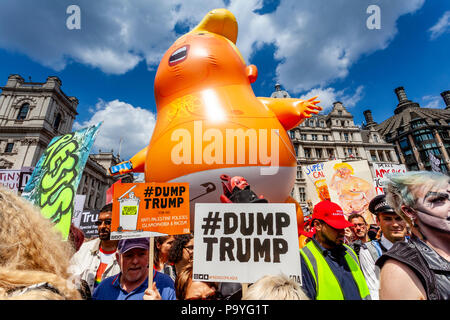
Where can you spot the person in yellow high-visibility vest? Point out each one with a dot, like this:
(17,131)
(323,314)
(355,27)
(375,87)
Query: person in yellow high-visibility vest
(330,268)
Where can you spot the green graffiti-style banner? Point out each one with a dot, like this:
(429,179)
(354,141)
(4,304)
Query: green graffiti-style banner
(54,182)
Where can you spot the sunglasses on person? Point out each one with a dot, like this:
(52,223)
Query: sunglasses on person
(189,248)
(99,222)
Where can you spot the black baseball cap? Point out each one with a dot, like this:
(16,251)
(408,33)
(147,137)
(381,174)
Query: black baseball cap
(379,204)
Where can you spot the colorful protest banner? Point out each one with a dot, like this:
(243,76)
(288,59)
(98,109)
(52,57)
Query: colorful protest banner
(350,185)
(87,223)
(242,242)
(381,171)
(142,210)
(316,185)
(10,179)
(54,181)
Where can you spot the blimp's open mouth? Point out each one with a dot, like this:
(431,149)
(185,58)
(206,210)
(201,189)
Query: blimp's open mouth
(179,55)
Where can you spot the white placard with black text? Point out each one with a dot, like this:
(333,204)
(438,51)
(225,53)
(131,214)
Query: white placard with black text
(242,242)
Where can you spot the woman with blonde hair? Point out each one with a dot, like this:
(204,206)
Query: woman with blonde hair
(420,268)
(275,287)
(33,256)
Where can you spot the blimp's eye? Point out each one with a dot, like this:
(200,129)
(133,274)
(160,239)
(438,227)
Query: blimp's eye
(179,55)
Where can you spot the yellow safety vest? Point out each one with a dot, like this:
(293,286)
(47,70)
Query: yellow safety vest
(327,285)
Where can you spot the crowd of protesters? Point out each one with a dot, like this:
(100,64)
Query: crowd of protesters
(404,256)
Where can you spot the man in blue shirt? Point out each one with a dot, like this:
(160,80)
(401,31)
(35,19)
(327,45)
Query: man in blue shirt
(132,281)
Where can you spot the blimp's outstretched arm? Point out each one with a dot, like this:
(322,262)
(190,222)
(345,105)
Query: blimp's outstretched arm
(291,112)
(135,164)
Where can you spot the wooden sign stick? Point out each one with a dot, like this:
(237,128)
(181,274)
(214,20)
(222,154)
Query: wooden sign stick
(150,261)
(244,289)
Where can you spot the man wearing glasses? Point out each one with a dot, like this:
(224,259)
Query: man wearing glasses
(96,259)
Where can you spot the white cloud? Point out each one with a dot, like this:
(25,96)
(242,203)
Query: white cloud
(120,121)
(329,95)
(317,41)
(431,101)
(441,27)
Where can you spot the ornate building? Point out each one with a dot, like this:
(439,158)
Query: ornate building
(31,115)
(332,136)
(417,131)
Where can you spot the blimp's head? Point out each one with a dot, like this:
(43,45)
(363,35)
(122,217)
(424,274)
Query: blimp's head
(205,57)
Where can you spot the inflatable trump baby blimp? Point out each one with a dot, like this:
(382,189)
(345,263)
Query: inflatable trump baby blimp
(210,123)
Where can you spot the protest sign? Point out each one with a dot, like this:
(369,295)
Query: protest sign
(54,181)
(87,223)
(78,209)
(350,185)
(10,179)
(25,174)
(316,185)
(242,242)
(381,171)
(142,210)
(435,162)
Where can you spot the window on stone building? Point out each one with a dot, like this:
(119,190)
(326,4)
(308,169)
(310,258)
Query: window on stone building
(57,121)
(307,153)
(303,136)
(404,143)
(330,153)
(340,112)
(314,137)
(302,194)
(373,156)
(325,137)
(319,153)
(346,136)
(296,149)
(375,138)
(23,111)
(299,172)
(9,147)
(322,124)
(388,156)
(311,123)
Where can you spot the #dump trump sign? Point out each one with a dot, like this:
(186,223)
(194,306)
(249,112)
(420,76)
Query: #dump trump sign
(242,242)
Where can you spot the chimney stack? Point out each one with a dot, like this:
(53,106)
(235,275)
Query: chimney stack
(401,94)
(369,118)
(446,96)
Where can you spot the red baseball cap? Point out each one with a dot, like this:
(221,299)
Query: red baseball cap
(331,213)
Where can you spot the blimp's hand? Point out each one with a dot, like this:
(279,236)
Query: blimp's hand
(291,112)
(309,107)
(121,168)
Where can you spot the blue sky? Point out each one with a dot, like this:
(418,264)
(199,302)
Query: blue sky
(311,47)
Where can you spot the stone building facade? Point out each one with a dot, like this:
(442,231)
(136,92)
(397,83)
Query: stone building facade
(334,136)
(417,131)
(31,115)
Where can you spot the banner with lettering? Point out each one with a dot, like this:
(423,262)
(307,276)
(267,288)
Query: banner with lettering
(316,184)
(142,210)
(242,242)
(381,171)
(54,182)
(350,185)
(10,179)
(87,224)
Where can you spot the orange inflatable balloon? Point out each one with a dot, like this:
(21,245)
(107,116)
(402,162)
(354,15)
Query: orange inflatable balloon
(209,121)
